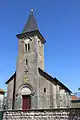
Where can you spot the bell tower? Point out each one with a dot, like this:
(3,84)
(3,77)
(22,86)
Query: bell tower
(30,54)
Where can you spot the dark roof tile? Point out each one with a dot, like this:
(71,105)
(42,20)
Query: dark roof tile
(31,24)
(11,78)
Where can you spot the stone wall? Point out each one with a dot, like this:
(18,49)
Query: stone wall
(45,114)
(75,103)
(10,94)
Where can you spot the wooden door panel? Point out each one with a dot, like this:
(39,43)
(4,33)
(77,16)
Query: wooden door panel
(26,102)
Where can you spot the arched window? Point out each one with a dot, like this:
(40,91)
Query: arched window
(27,47)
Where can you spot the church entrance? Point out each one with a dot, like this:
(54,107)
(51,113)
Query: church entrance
(26,102)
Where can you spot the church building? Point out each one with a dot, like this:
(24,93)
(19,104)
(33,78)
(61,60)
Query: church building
(30,87)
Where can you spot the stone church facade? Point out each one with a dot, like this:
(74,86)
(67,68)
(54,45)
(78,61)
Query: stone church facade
(30,87)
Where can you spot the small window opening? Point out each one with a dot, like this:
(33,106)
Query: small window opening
(44,89)
(26,62)
(27,47)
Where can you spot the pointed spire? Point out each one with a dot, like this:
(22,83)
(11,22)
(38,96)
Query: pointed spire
(31,24)
(31,28)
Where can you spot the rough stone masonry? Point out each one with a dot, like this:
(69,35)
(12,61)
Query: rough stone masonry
(46,114)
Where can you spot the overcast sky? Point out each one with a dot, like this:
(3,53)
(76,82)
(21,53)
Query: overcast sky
(59,23)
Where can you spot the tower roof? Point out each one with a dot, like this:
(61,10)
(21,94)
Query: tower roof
(31,28)
(31,24)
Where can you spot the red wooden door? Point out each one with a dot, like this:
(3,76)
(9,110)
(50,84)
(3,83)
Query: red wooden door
(26,102)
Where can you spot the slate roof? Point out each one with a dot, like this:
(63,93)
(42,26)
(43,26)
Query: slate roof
(50,78)
(31,24)
(32,33)
(31,29)
(11,78)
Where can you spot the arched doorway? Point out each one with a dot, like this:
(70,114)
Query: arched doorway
(26,102)
(26,98)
